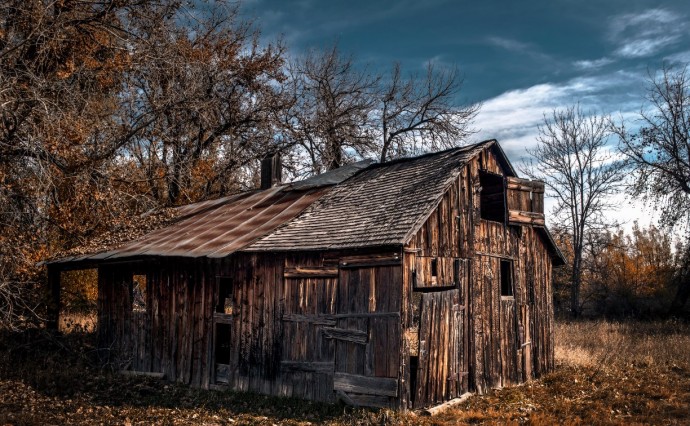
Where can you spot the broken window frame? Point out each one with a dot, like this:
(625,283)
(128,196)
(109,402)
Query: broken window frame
(494,210)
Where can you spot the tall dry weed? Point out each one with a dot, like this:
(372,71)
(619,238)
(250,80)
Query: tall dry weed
(663,344)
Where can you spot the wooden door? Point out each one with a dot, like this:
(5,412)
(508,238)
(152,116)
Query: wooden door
(495,324)
(439,362)
(308,308)
(443,355)
(367,331)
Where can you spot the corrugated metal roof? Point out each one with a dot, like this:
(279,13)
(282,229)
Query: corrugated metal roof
(382,205)
(224,229)
(217,228)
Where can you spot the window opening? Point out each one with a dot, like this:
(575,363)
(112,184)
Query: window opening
(506,278)
(225,305)
(492,197)
(139,293)
(434,267)
(78,300)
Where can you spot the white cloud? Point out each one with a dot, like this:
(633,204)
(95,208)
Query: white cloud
(513,118)
(508,44)
(517,46)
(592,64)
(679,58)
(646,33)
(645,47)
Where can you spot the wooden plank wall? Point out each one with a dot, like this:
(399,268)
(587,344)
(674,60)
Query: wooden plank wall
(509,339)
(293,329)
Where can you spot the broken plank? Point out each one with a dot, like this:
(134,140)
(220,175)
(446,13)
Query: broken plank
(432,411)
(384,386)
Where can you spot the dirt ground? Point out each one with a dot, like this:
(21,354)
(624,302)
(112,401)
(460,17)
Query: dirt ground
(607,373)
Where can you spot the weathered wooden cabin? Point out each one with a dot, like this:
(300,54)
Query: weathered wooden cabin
(401,284)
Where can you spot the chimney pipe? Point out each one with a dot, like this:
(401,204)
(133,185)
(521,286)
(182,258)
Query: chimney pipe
(271,171)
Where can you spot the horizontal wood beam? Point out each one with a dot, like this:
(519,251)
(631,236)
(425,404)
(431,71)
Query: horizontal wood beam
(364,261)
(525,185)
(306,366)
(311,272)
(313,319)
(525,218)
(353,336)
(384,386)
(329,319)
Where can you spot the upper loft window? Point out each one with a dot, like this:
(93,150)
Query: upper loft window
(492,196)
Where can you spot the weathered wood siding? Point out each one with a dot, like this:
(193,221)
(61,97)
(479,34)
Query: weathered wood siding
(502,340)
(172,335)
(310,325)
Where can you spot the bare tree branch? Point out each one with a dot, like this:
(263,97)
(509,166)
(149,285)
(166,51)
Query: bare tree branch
(581,173)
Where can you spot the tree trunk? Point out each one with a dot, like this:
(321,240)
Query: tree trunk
(576,277)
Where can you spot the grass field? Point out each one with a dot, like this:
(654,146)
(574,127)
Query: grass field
(607,373)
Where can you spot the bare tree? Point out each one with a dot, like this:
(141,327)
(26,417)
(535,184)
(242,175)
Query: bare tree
(659,153)
(342,110)
(422,112)
(580,173)
(331,114)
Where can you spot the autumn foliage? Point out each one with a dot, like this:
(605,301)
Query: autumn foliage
(625,274)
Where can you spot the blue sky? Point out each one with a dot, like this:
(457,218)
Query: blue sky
(519,58)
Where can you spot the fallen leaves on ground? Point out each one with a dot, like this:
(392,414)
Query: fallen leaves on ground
(43,381)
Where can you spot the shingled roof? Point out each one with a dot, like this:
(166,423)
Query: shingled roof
(382,205)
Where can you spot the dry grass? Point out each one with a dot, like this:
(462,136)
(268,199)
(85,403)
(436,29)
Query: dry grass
(622,345)
(608,373)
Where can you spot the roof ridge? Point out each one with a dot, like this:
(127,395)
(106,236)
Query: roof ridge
(430,154)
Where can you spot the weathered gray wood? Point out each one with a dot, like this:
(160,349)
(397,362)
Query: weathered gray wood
(345,398)
(313,319)
(438,409)
(354,336)
(307,366)
(223,373)
(376,401)
(352,383)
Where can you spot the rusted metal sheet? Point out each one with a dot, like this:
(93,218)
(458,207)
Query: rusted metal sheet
(220,227)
